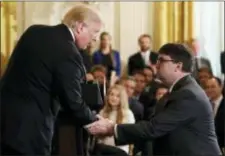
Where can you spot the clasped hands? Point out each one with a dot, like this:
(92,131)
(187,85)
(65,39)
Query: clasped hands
(102,127)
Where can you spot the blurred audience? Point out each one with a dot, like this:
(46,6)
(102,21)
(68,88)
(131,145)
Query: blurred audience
(136,107)
(199,61)
(213,88)
(203,75)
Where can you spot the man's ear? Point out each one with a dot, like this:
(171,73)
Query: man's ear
(77,26)
(180,66)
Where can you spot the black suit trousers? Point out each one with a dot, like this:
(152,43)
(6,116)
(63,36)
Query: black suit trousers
(102,150)
(7,150)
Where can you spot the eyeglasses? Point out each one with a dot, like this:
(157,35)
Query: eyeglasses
(161,60)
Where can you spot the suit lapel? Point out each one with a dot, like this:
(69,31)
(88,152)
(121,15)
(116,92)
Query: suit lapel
(81,59)
(140,58)
(160,106)
(220,109)
(182,82)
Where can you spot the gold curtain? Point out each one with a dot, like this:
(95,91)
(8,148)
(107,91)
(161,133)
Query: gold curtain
(8,31)
(173,22)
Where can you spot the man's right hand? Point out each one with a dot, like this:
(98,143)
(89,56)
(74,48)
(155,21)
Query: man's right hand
(102,127)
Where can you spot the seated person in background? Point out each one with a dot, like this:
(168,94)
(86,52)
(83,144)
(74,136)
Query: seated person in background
(203,75)
(152,81)
(160,92)
(86,55)
(99,73)
(135,106)
(149,75)
(107,56)
(142,96)
(116,109)
(213,88)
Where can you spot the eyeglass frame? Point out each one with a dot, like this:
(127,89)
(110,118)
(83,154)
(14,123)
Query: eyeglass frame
(161,60)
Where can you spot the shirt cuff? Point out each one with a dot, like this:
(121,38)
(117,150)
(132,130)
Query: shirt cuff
(115,131)
(86,126)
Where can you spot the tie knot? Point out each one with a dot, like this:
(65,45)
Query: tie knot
(213,105)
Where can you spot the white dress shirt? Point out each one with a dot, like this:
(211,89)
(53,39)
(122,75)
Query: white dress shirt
(145,55)
(171,87)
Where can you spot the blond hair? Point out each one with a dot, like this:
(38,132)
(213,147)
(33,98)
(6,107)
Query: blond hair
(81,13)
(123,107)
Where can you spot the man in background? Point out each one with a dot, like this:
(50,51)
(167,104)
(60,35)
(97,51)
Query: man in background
(45,67)
(145,57)
(199,61)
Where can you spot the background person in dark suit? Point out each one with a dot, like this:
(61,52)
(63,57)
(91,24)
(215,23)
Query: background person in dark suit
(145,57)
(213,88)
(45,66)
(199,61)
(187,118)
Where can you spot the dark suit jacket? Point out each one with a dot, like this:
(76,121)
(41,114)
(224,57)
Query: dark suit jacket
(137,109)
(87,60)
(187,120)
(222,62)
(45,66)
(219,123)
(136,62)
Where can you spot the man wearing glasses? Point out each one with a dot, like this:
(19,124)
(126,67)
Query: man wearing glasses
(46,66)
(186,122)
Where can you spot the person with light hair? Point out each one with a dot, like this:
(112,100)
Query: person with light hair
(117,109)
(45,73)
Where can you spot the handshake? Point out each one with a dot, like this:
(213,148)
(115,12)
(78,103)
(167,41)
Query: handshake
(102,127)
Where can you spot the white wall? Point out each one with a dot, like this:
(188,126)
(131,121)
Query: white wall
(209,29)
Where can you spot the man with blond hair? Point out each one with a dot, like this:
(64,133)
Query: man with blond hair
(46,67)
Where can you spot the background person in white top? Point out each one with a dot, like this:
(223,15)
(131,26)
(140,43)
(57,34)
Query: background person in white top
(116,108)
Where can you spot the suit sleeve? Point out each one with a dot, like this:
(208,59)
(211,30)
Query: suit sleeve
(130,66)
(177,114)
(68,80)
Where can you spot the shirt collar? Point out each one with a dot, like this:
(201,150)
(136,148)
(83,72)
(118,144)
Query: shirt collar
(71,31)
(171,87)
(145,52)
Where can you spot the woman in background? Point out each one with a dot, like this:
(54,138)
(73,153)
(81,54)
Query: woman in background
(107,56)
(116,108)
